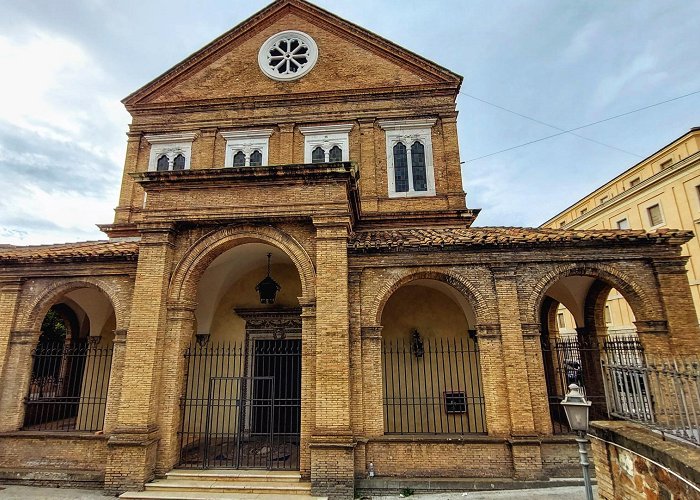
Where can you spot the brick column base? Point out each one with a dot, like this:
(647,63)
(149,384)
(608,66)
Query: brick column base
(131,461)
(527,458)
(332,467)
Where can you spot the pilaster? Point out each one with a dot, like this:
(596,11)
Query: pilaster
(286,150)
(10,293)
(493,379)
(532,333)
(134,439)
(308,382)
(453,169)
(675,294)
(332,445)
(180,332)
(203,149)
(115,380)
(14,389)
(373,391)
(514,361)
(127,192)
(368,156)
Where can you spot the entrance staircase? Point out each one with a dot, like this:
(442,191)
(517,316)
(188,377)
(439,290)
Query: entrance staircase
(225,484)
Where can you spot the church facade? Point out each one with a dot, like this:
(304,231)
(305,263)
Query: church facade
(291,282)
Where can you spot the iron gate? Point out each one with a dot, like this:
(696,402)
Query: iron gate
(242,405)
(577,360)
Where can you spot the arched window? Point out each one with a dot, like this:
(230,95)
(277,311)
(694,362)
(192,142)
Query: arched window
(163,163)
(179,162)
(239,159)
(400,168)
(420,181)
(335,154)
(256,158)
(318,155)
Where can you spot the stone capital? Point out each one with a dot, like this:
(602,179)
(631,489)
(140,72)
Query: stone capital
(653,327)
(23,336)
(671,266)
(286,128)
(372,332)
(488,331)
(504,272)
(531,329)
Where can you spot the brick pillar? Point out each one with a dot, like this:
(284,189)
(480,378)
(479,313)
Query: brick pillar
(527,462)
(180,328)
(671,275)
(453,170)
(532,334)
(286,151)
(10,292)
(372,381)
(203,149)
(115,381)
(653,334)
(14,388)
(132,457)
(308,382)
(123,210)
(368,173)
(493,379)
(332,444)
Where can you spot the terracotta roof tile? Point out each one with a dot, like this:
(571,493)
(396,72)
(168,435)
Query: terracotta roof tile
(504,236)
(86,250)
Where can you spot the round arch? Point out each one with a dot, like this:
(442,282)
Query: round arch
(458,283)
(189,270)
(40,306)
(635,295)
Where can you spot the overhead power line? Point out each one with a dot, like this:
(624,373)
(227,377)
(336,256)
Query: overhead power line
(583,126)
(549,125)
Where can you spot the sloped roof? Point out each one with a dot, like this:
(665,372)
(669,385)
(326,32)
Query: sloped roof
(504,237)
(216,47)
(82,251)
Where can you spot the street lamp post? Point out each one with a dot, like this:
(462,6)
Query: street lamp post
(576,408)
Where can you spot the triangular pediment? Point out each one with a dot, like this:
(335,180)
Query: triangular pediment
(350,59)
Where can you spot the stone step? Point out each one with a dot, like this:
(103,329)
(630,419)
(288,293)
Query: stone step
(235,475)
(232,486)
(197,495)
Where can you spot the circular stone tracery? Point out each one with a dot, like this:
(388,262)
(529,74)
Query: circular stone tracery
(288,55)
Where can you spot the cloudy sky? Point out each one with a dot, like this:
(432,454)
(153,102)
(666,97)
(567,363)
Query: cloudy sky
(67,64)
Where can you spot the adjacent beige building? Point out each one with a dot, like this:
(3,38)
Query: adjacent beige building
(661,191)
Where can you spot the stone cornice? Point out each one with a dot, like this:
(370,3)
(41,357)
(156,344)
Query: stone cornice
(305,173)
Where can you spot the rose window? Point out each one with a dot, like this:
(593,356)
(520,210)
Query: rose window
(288,55)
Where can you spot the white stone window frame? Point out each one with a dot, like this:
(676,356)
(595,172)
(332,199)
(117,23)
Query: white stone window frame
(408,132)
(247,141)
(170,145)
(326,136)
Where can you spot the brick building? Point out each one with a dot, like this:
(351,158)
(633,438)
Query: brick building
(291,282)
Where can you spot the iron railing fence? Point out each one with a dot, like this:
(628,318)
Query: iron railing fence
(242,405)
(576,360)
(68,387)
(662,394)
(432,386)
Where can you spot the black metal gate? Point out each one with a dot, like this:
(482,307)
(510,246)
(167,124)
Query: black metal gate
(576,360)
(242,405)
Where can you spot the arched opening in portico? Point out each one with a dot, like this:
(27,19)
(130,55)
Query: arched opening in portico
(430,361)
(576,317)
(70,362)
(242,388)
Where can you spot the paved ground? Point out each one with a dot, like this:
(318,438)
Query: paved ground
(569,493)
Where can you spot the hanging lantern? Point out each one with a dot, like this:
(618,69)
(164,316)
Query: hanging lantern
(268,287)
